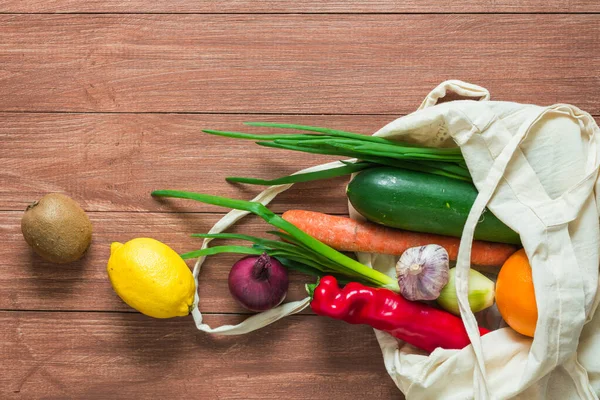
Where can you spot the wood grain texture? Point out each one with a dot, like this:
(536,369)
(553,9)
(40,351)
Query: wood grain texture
(63,331)
(345,64)
(29,283)
(111,162)
(301,6)
(129,356)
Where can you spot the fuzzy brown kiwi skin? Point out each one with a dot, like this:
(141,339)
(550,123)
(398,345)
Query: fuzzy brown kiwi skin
(57,228)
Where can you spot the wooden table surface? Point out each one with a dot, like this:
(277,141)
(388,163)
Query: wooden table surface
(104,101)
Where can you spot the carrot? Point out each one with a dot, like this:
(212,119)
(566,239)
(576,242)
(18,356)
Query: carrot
(346,234)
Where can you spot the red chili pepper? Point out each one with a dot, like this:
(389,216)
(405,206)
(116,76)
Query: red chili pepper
(416,323)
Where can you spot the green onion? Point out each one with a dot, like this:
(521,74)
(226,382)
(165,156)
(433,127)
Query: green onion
(307,176)
(361,144)
(250,136)
(272,245)
(345,134)
(292,256)
(326,131)
(414,165)
(298,266)
(446,162)
(346,265)
(291,250)
(451,168)
(220,249)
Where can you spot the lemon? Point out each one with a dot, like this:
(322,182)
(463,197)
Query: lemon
(151,277)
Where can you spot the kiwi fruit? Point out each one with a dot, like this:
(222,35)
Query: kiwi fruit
(57,228)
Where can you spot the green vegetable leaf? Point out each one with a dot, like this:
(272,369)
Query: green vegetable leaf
(344,264)
(209,251)
(307,176)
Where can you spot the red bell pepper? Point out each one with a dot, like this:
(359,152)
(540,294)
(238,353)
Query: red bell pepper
(416,323)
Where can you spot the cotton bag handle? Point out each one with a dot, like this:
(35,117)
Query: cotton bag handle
(463,89)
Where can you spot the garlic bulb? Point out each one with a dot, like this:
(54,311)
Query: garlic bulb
(423,272)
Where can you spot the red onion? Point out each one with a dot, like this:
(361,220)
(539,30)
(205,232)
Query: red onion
(258,283)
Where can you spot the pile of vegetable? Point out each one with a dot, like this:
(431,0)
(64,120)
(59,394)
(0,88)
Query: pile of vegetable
(415,201)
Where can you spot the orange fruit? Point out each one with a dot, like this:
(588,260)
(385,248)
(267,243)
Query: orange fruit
(515,296)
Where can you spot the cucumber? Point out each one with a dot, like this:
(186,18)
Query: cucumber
(422,202)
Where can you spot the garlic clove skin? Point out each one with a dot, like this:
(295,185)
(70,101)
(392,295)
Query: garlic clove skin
(423,272)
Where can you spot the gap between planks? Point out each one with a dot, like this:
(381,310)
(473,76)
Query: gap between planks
(307,13)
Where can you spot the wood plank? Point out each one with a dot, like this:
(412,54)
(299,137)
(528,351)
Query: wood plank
(348,64)
(301,6)
(29,283)
(124,356)
(111,162)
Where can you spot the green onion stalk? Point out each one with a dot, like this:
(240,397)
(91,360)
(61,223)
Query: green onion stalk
(299,251)
(369,151)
